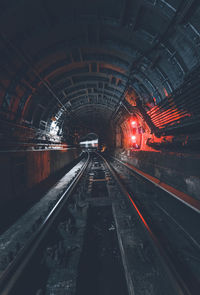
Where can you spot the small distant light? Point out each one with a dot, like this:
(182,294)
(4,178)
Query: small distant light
(133,137)
(133,123)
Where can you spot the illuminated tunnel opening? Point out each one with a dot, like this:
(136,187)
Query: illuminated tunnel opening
(90,141)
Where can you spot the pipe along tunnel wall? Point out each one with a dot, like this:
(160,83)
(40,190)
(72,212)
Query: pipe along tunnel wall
(179,170)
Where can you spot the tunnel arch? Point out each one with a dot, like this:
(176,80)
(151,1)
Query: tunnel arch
(68,68)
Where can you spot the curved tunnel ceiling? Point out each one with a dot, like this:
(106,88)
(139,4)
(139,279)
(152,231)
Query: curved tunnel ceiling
(72,61)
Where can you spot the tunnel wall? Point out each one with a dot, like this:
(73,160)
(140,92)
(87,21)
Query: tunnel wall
(182,171)
(22,171)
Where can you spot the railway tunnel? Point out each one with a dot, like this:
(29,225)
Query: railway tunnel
(126,72)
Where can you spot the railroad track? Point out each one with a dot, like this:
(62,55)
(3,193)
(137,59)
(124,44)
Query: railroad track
(97,239)
(172,224)
(13,274)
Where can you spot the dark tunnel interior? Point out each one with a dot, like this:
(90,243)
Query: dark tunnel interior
(74,67)
(124,71)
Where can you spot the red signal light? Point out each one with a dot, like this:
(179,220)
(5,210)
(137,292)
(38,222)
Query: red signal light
(133,123)
(133,137)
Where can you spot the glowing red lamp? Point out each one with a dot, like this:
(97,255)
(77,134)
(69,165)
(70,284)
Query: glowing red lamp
(133,123)
(133,137)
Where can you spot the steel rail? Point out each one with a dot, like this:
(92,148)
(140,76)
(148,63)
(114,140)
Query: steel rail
(173,275)
(15,269)
(189,202)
